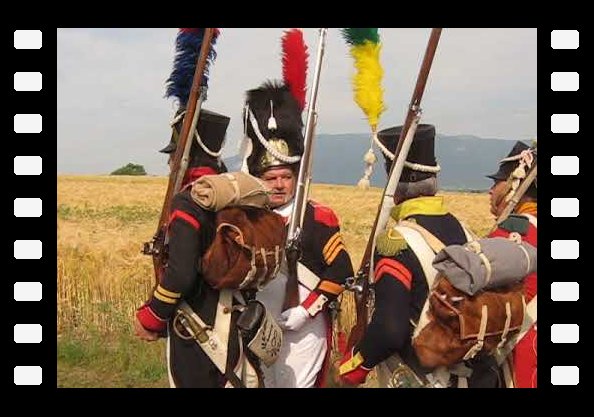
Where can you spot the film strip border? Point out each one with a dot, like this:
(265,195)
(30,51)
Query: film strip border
(561,58)
(33,188)
(32,146)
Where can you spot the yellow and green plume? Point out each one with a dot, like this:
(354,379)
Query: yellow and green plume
(365,48)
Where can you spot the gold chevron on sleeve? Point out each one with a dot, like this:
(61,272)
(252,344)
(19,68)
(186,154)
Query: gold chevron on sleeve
(335,237)
(166,296)
(333,247)
(335,253)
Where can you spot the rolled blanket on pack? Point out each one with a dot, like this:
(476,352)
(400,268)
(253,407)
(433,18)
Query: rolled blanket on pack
(215,192)
(486,263)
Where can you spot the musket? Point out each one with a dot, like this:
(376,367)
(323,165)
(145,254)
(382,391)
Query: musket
(179,163)
(293,246)
(364,275)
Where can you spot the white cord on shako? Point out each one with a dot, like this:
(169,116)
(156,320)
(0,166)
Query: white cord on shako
(525,158)
(264,142)
(199,140)
(409,165)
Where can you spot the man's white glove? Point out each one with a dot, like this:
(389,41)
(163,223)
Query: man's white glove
(294,318)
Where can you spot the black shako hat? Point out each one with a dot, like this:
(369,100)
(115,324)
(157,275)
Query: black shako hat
(211,128)
(511,162)
(420,162)
(273,128)
(508,164)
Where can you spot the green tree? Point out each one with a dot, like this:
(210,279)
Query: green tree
(130,169)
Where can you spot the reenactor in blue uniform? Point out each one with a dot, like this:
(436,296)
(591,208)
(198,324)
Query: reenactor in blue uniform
(191,230)
(402,260)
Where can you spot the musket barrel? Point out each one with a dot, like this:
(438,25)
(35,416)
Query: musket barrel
(404,141)
(176,175)
(303,179)
(304,169)
(426,65)
(192,113)
(388,198)
(415,102)
(188,145)
(411,122)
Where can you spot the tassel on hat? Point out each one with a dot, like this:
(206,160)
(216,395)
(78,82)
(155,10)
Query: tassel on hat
(519,173)
(271,120)
(370,159)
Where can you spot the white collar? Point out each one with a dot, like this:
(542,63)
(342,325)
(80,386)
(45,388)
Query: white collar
(286,210)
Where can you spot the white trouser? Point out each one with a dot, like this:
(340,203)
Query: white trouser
(302,352)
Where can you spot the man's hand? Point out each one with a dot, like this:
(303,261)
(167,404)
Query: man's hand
(147,325)
(351,370)
(294,318)
(143,333)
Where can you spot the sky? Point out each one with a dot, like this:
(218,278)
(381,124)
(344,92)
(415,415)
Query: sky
(111,84)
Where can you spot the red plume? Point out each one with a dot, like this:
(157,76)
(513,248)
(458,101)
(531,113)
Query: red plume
(295,64)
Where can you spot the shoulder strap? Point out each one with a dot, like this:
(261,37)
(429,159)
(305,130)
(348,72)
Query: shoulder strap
(222,323)
(213,341)
(418,238)
(470,235)
(306,277)
(422,250)
(205,337)
(434,243)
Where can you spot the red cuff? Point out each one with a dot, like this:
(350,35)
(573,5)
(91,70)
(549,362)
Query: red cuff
(150,320)
(313,296)
(314,303)
(356,376)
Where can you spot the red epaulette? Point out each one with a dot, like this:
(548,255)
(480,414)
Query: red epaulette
(188,218)
(324,215)
(192,174)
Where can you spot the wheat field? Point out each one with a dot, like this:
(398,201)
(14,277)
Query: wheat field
(103,277)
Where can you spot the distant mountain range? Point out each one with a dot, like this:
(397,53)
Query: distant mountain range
(464,160)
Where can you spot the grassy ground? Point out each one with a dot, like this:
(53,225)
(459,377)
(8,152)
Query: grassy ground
(103,277)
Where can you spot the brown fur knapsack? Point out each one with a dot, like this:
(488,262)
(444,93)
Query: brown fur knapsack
(247,249)
(455,328)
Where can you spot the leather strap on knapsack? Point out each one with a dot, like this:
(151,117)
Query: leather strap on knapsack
(529,321)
